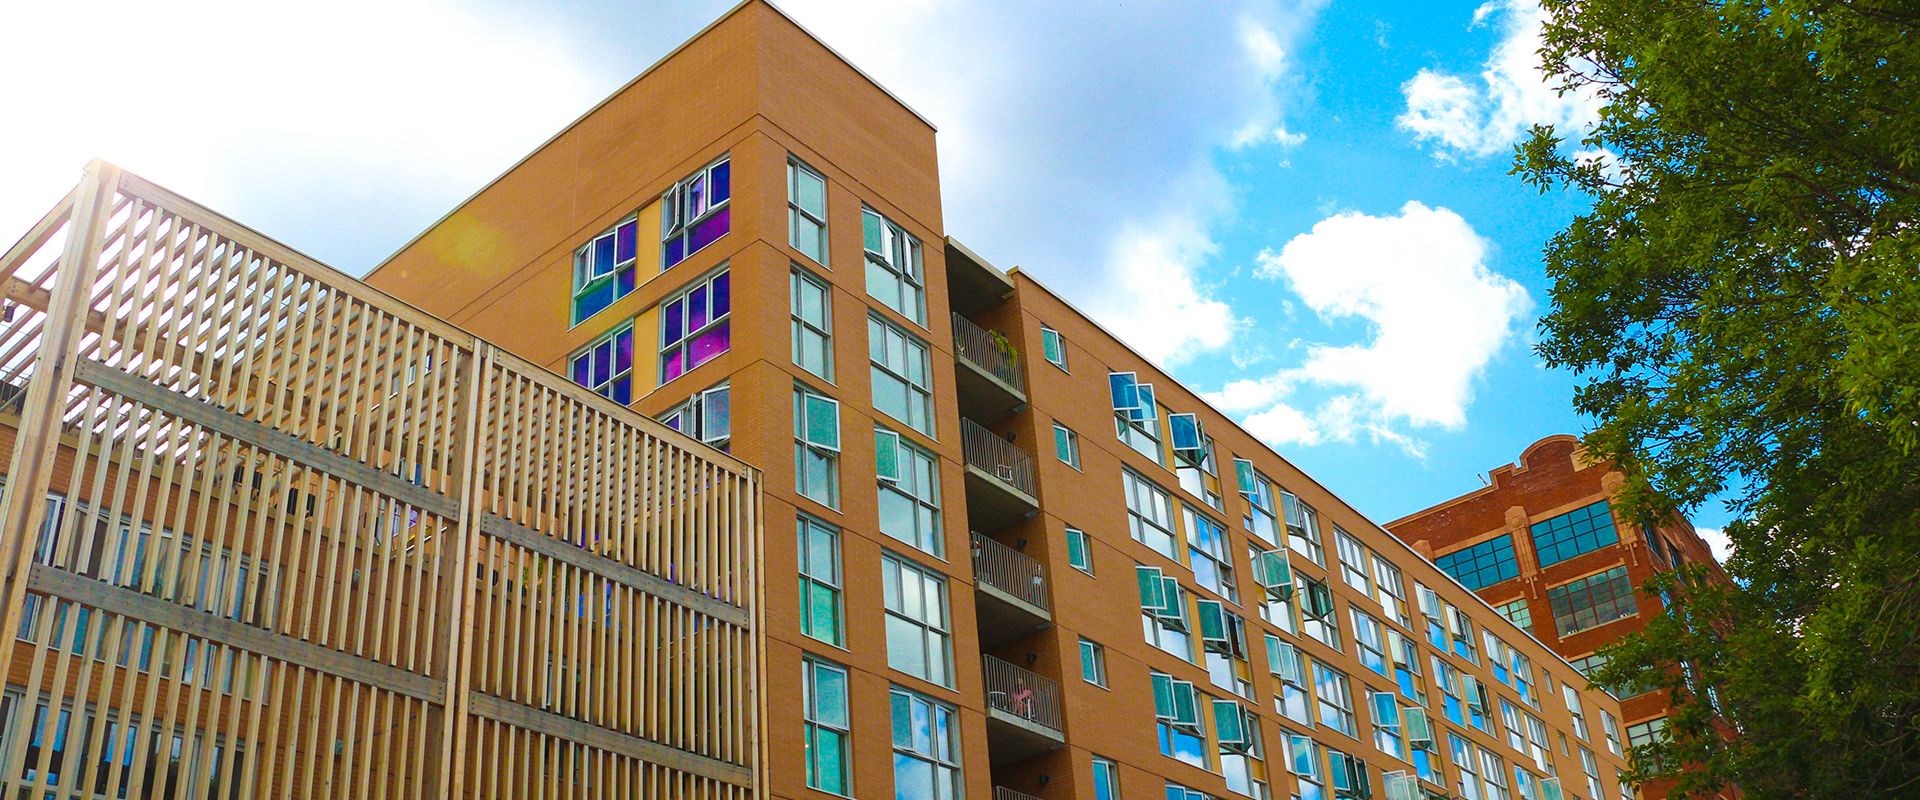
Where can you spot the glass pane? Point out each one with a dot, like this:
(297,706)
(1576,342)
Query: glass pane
(622,391)
(603,255)
(874,232)
(822,554)
(710,344)
(625,282)
(671,328)
(906,649)
(886,454)
(912,778)
(583,369)
(721,177)
(697,308)
(718,423)
(675,250)
(675,366)
(830,756)
(813,193)
(623,351)
(823,422)
(830,696)
(602,362)
(627,241)
(722,294)
(708,230)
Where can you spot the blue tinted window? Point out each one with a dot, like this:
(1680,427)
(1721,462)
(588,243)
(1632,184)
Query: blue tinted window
(1483,564)
(1579,531)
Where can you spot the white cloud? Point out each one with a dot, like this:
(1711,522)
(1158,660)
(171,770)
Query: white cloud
(1436,316)
(1512,94)
(1717,541)
(231,99)
(1156,300)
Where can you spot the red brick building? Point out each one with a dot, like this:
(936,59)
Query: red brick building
(1543,544)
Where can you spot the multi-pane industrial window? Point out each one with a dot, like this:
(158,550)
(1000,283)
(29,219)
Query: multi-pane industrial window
(1353,560)
(1053,346)
(1303,528)
(1335,695)
(606,366)
(1641,734)
(1581,530)
(1150,514)
(1483,564)
(1592,601)
(1517,613)
(1079,550)
(707,416)
(893,266)
(902,379)
(926,748)
(1066,445)
(820,585)
(1106,779)
(1093,662)
(909,480)
(694,213)
(812,324)
(806,211)
(919,638)
(603,269)
(816,446)
(1212,562)
(824,687)
(694,326)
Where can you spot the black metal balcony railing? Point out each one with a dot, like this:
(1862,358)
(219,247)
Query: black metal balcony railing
(1004,793)
(986,450)
(1022,693)
(1010,571)
(977,346)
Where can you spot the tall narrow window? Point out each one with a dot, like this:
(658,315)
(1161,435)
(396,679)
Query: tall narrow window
(1079,550)
(807,211)
(1285,662)
(812,324)
(1106,779)
(893,266)
(707,416)
(1053,346)
(926,748)
(1391,590)
(1066,445)
(909,492)
(919,639)
(1303,528)
(820,603)
(816,446)
(902,379)
(1136,415)
(827,726)
(1336,699)
(695,213)
(1093,662)
(603,269)
(1208,553)
(606,366)
(1369,636)
(1262,518)
(694,326)
(1150,514)
(1353,560)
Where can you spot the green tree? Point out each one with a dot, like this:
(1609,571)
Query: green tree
(1742,302)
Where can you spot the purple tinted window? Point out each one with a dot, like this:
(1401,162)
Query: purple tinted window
(674,421)
(722,295)
(671,331)
(722,176)
(623,391)
(697,309)
(674,366)
(603,255)
(676,250)
(602,362)
(626,281)
(592,302)
(583,370)
(696,197)
(710,344)
(708,230)
(623,352)
(628,241)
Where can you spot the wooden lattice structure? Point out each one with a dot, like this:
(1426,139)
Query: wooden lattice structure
(271,533)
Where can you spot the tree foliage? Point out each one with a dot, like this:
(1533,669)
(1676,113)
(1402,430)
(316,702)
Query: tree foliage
(1743,304)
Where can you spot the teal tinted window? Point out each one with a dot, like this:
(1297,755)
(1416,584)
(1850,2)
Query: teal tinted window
(1483,564)
(1579,531)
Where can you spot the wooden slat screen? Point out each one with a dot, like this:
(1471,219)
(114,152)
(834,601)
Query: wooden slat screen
(271,533)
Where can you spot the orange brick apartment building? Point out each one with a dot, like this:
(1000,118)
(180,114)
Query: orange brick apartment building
(1007,557)
(1543,544)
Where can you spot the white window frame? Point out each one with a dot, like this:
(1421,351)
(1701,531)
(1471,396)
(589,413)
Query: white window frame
(1063,434)
(916,482)
(697,417)
(809,448)
(917,391)
(910,616)
(798,213)
(684,344)
(809,333)
(896,267)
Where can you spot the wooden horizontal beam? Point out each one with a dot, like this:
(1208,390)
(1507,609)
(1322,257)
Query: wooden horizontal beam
(521,536)
(573,730)
(194,622)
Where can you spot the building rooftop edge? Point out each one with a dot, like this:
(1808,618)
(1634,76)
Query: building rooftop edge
(623,88)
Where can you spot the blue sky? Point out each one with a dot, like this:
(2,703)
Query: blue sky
(1300,208)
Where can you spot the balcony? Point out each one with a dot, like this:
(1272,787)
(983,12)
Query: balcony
(1012,591)
(1023,713)
(987,373)
(999,479)
(1004,793)
(973,285)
